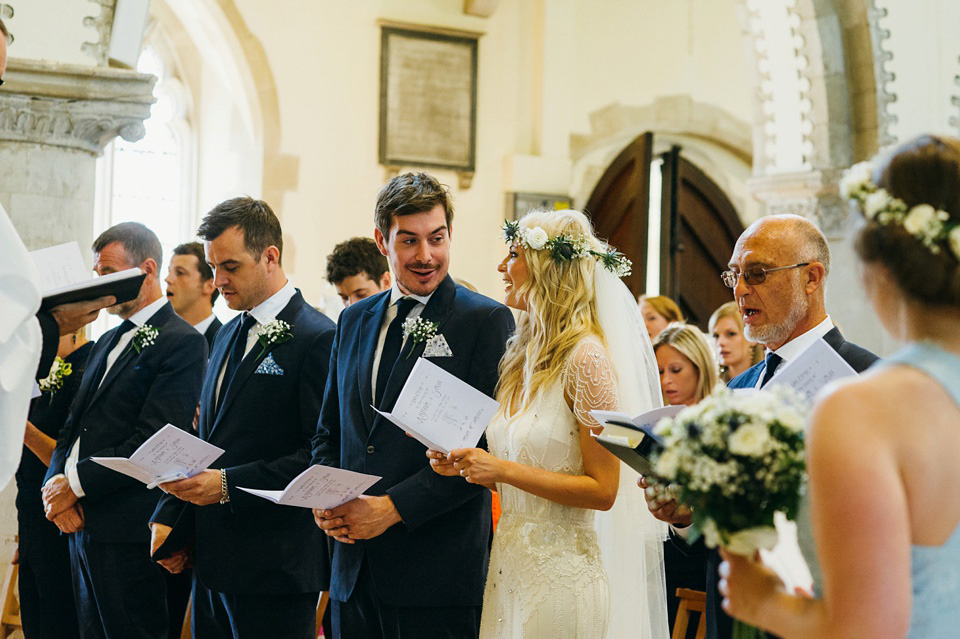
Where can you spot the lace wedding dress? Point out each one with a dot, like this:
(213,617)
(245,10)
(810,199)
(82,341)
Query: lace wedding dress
(546,577)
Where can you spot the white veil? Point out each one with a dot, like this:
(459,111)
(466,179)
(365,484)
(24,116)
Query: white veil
(631,540)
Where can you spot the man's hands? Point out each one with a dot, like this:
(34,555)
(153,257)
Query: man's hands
(58,497)
(70,520)
(362,518)
(72,317)
(202,489)
(175,563)
(663,507)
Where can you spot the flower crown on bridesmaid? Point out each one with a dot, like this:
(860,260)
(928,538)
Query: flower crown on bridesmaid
(564,248)
(927,224)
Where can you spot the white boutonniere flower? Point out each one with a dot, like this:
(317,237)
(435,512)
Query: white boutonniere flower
(273,332)
(143,337)
(54,381)
(418,329)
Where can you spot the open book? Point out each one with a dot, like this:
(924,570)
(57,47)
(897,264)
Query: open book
(440,410)
(631,438)
(320,487)
(64,278)
(812,369)
(169,454)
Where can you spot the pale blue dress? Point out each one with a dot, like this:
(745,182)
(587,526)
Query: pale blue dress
(935,570)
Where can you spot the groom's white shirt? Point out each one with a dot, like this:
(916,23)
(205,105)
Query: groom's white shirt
(395,295)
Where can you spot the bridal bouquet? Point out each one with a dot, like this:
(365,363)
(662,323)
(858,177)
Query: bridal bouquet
(736,460)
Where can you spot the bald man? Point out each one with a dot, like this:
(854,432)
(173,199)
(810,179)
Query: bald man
(778,273)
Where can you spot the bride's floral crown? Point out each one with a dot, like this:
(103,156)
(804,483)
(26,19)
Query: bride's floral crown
(929,225)
(564,248)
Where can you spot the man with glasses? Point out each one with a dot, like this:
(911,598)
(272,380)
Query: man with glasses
(778,273)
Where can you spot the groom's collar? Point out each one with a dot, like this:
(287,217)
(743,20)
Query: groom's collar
(396,294)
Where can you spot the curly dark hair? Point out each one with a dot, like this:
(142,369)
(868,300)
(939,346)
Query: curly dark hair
(356,255)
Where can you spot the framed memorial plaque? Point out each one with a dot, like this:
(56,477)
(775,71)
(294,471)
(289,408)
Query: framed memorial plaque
(428,99)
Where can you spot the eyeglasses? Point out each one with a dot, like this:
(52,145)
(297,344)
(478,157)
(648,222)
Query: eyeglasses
(754,275)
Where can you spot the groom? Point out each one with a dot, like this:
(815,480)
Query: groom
(411,557)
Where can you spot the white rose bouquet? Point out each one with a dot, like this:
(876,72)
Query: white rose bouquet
(736,460)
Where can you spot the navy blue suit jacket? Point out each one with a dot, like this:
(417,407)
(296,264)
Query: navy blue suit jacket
(139,395)
(719,623)
(445,520)
(266,422)
(212,331)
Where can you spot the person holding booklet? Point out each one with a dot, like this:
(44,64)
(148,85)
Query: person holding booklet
(778,273)
(580,345)
(258,567)
(140,376)
(395,543)
(882,451)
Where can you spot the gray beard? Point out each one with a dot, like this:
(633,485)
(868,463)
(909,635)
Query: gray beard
(779,333)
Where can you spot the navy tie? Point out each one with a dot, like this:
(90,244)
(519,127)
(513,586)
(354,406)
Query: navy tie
(771,361)
(238,346)
(392,344)
(125,326)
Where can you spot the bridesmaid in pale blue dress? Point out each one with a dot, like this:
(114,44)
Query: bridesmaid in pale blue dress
(884,450)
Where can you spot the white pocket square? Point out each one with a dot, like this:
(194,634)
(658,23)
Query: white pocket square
(269,366)
(437,347)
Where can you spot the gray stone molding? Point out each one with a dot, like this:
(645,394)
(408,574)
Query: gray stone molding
(72,106)
(882,75)
(103,23)
(812,195)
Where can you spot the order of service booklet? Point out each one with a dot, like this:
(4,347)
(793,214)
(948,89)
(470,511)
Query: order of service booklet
(320,487)
(65,279)
(441,411)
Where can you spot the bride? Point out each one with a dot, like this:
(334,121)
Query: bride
(580,346)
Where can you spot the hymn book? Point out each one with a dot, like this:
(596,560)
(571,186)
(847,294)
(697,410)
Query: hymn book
(64,278)
(440,410)
(169,454)
(632,439)
(813,369)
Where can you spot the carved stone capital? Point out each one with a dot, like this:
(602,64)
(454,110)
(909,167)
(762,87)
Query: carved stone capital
(75,107)
(811,194)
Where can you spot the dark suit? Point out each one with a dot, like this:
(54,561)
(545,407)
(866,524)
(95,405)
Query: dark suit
(446,521)
(719,624)
(212,331)
(47,607)
(49,342)
(116,586)
(259,564)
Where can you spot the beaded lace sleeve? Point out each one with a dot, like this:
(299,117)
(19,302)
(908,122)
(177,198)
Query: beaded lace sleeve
(590,383)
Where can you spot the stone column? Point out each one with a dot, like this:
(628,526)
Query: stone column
(55,120)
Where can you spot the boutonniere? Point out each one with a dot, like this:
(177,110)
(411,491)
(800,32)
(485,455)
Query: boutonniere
(54,381)
(144,336)
(418,329)
(273,332)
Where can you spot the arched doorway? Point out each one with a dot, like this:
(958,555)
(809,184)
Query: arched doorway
(690,220)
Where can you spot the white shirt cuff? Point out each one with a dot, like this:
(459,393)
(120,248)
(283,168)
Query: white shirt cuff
(74,479)
(683,532)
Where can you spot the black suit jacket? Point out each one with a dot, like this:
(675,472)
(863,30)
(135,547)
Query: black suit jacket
(719,623)
(266,422)
(212,331)
(446,521)
(49,343)
(139,395)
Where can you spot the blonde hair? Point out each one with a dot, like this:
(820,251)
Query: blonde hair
(690,342)
(664,306)
(561,310)
(731,310)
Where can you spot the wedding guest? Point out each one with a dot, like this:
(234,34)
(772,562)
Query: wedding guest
(884,505)
(547,577)
(658,311)
(395,541)
(688,373)
(778,273)
(357,269)
(191,291)
(259,567)
(47,606)
(140,376)
(734,351)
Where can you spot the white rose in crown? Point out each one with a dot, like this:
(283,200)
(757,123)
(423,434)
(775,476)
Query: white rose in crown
(919,219)
(856,179)
(876,202)
(536,238)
